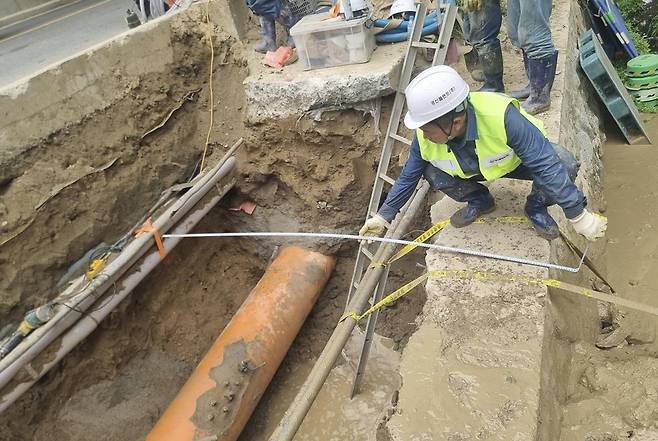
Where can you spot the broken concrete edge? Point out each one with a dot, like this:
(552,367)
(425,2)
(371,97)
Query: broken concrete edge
(293,92)
(15,17)
(559,319)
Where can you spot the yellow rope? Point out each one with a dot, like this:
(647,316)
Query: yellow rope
(211,102)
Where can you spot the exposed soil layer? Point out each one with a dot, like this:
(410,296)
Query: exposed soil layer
(311,173)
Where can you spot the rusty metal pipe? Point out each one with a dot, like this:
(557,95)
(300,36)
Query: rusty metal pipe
(222,392)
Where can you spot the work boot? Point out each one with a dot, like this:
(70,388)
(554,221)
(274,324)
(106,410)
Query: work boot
(473,65)
(491,60)
(471,212)
(287,19)
(268,31)
(536,209)
(525,92)
(541,73)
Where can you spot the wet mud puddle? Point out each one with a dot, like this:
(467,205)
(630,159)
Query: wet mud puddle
(613,393)
(631,255)
(334,416)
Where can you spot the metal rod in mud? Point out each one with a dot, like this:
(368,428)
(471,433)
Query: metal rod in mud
(295,414)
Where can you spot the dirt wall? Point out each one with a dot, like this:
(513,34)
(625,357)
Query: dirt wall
(77,171)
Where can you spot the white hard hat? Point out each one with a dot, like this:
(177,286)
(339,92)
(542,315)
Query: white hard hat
(399,6)
(433,93)
(358,5)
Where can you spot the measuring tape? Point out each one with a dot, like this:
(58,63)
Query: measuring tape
(440,226)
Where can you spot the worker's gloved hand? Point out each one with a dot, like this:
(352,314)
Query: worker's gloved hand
(374,226)
(590,225)
(473,5)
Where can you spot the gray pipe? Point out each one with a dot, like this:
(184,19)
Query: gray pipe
(129,281)
(65,317)
(295,414)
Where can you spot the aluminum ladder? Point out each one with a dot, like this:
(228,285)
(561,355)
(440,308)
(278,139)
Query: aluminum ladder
(448,13)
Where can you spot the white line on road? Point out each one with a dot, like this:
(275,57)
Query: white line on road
(55,21)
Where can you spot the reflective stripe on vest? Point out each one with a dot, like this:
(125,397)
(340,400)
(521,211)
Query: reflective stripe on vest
(495,157)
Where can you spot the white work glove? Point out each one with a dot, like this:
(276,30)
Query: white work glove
(374,226)
(590,225)
(473,5)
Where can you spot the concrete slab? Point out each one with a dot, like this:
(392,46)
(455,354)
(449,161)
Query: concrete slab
(472,369)
(292,91)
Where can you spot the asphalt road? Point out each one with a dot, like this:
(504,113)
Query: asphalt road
(31,45)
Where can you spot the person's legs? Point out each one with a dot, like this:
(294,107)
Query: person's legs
(513,14)
(524,93)
(538,201)
(482,32)
(268,31)
(534,38)
(476,195)
(288,20)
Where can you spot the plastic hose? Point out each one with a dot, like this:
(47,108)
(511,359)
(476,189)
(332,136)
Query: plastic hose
(404,35)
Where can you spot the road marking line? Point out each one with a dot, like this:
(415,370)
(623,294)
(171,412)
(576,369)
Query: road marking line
(55,21)
(67,5)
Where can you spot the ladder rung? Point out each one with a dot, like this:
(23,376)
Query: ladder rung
(402,139)
(367,253)
(387,178)
(426,45)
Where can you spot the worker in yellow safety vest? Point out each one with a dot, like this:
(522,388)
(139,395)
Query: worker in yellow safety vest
(464,138)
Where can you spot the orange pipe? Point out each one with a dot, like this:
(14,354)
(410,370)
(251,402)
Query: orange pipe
(222,392)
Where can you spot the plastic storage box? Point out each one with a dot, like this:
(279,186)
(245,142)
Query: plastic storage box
(323,41)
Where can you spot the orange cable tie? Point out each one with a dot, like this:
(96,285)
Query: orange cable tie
(148,227)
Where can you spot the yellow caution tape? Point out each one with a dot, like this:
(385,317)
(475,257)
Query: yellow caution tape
(388,299)
(440,226)
(493,276)
(420,239)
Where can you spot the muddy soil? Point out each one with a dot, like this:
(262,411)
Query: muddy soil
(613,393)
(77,186)
(303,174)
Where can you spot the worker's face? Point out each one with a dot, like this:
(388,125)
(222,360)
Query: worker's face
(440,132)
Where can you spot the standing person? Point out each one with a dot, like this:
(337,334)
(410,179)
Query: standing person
(464,138)
(481,29)
(269,11)
(529,29)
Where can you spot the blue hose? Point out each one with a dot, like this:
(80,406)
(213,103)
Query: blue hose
(405,25)
(383,22)
(403,35)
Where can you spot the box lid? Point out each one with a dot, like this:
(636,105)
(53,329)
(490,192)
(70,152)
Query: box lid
(324,22)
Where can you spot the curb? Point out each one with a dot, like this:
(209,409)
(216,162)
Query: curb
(31,12)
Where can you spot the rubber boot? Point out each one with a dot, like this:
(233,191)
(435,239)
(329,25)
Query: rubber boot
(541,73)
(268,31)
(536,209)
(525,92)
(491,60)
(287,20)
(471,212)
(473,65)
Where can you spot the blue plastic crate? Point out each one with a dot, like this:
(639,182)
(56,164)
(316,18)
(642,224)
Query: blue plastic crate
(611,90)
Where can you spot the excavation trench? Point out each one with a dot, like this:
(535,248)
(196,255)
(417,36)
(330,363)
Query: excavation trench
(88,157)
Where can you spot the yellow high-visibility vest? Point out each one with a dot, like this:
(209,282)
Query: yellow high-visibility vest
(495,157)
